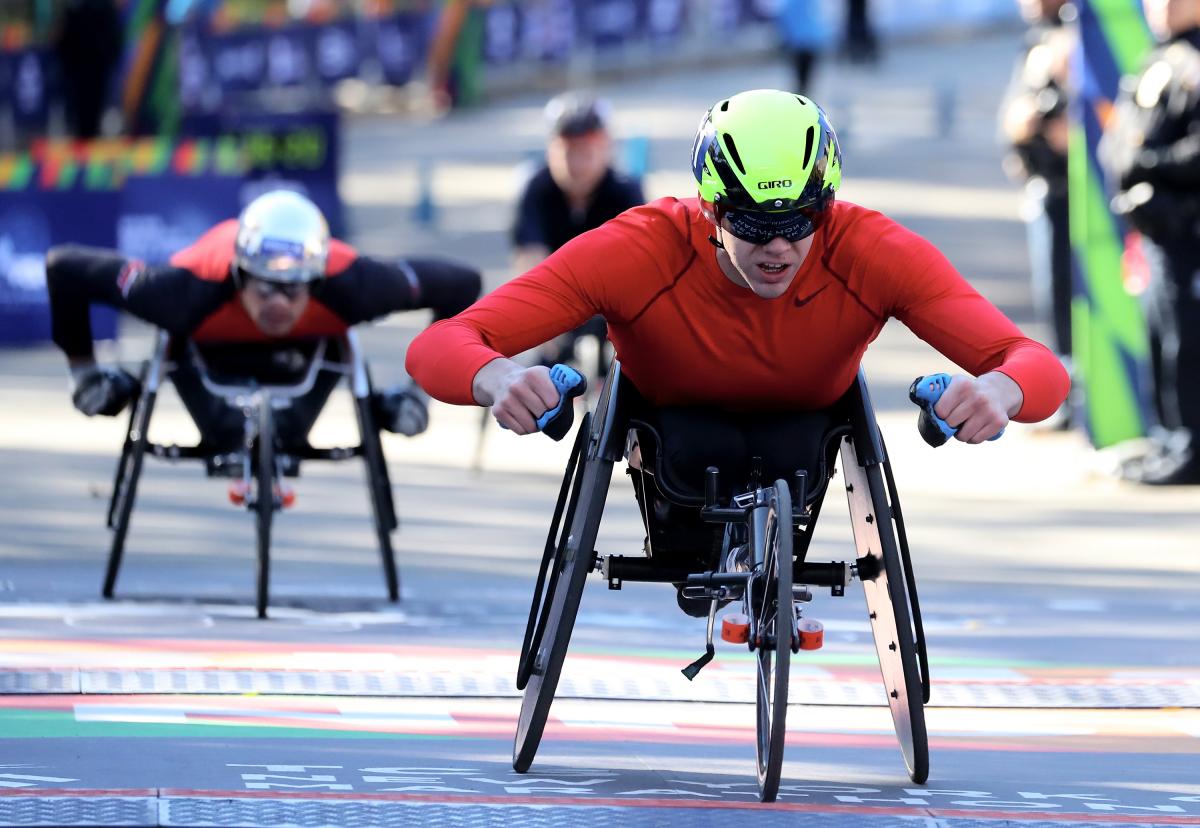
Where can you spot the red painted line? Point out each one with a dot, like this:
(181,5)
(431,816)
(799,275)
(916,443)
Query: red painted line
(143,793)
(1093,816)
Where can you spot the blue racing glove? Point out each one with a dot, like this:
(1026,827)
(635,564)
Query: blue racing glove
(925,392)
(556,422)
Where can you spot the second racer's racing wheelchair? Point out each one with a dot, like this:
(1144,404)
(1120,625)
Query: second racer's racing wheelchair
(254,407)
(759,560)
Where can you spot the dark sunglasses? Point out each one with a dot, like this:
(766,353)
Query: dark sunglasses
(266,289)
(760,227)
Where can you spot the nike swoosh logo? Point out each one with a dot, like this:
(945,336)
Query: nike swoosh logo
(802,302)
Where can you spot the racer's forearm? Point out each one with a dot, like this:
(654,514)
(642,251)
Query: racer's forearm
(1004,390)
(1039,377)
(448,288)
(444,359)
(75,278)
(492,379)
(371,288)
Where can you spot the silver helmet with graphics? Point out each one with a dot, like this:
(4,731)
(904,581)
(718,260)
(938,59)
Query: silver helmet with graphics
(282,237)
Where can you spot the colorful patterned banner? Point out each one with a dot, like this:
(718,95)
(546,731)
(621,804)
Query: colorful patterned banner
(1109,335)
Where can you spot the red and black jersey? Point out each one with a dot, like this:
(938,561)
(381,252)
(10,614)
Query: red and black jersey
(195,295)
(687,335)
(210,258)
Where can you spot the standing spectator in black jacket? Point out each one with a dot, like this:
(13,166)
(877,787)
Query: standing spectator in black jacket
(1152,152)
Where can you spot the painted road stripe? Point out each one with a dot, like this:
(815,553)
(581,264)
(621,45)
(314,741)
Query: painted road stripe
(679,722)
(583,679)
(268,800)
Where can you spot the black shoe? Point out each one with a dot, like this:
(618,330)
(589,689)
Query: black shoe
(1184,474)
(1163,468)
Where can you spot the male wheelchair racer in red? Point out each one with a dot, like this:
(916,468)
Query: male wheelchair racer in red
(256,329)
(739,321)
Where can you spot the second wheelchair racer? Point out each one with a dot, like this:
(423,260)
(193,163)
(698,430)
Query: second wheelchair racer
(252,286)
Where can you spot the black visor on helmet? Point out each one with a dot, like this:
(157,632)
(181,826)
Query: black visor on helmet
(760,226)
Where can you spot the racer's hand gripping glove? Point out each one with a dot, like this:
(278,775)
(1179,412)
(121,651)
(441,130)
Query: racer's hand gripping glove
(102,390)
(925,392)
(403,409)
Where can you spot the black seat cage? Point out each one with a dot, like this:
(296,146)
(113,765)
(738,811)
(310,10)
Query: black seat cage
(623,410)
(250,395)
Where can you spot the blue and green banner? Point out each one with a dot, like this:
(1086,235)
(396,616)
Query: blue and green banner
(1109,340)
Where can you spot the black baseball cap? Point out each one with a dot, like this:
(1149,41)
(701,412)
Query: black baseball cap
(573,113)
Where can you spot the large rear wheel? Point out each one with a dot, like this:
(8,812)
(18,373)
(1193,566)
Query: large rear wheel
(566,573)
(547,579)
(885,581)
(125,482)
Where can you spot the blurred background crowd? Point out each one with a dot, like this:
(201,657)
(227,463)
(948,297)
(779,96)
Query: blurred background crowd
(109,108)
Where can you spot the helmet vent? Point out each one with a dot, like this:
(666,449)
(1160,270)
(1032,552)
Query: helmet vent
(808,145)
(803,102)
(733,153)
(725,105)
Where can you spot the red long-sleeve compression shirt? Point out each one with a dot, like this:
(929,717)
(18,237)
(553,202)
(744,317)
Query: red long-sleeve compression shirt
(687,335)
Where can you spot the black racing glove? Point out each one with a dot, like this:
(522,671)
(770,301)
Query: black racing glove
(102,390)
(403,409)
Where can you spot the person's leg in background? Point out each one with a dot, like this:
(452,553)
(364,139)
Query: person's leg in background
(1172,303)
(860,45)
(1057,218)
(803,63)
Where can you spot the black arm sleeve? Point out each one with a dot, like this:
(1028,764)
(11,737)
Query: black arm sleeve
(369,289)
(1176,165)
(76,277)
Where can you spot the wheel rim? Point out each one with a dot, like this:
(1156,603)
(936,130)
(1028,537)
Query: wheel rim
(773,614)
(568,577)
(552,563)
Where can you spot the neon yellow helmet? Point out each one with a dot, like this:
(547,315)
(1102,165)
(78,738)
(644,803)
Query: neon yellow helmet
(769,161)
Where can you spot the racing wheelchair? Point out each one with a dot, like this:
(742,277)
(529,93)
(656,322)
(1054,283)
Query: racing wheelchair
(263,407)
(759,559)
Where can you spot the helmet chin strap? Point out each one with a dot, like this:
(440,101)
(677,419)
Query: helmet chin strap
(727,264)
(713,240)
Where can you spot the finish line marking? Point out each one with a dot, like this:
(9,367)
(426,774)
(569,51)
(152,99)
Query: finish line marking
(1161,815)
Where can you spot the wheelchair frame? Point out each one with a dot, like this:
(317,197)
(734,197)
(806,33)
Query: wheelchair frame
(883,565)
(258,457)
